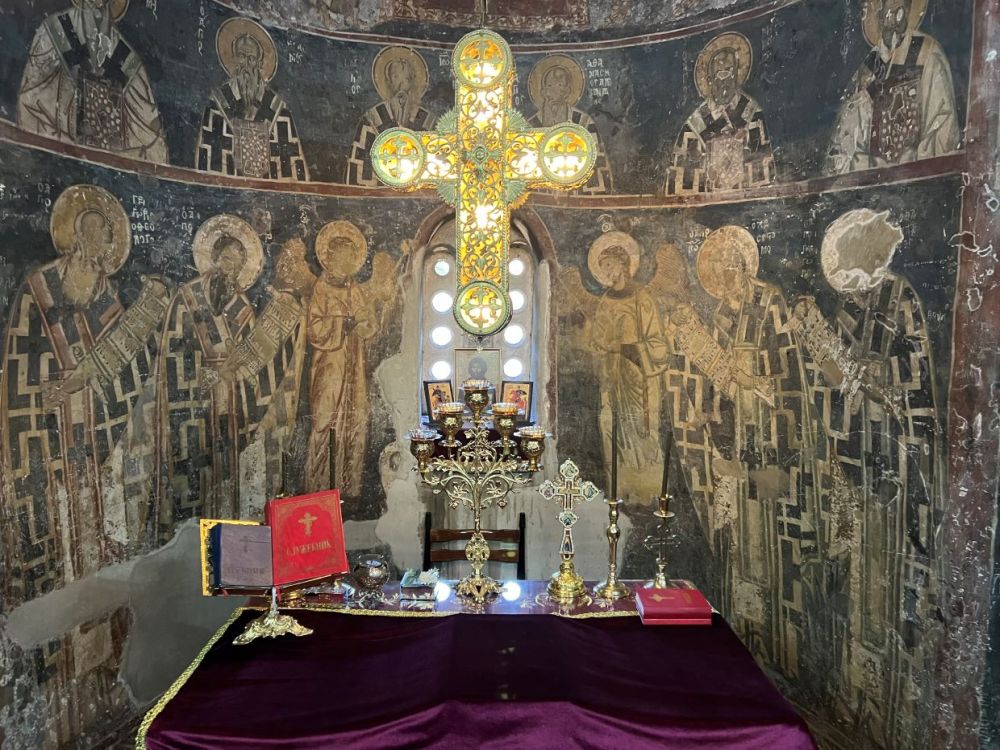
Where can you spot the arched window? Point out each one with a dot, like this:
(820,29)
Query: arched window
(447,353)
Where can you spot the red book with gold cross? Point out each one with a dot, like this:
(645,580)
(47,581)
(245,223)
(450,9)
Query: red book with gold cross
(307,537)
(681,606)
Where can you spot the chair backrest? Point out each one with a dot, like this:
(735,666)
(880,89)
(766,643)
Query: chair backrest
(514,555)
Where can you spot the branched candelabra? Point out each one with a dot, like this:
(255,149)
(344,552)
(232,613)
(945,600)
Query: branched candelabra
(478,473)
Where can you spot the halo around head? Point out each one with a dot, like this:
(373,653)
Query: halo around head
(344,264)
(722,239)
(227,225)
(389,55)
(76,199)
(744,59)
(231,30)
(873,29)
(602,243)
(541,69)
(118,8)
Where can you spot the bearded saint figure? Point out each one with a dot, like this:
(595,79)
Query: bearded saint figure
(74,362)
(902,103)
(83,83)
(725,144)
(556,85)
(400,78)
(247,129)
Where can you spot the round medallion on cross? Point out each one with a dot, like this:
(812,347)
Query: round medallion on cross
(482,308)
(398,157)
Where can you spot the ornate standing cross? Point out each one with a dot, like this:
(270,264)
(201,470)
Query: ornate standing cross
(482,159)
(568,493)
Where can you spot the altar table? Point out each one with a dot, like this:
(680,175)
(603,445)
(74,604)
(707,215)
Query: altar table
(547,677)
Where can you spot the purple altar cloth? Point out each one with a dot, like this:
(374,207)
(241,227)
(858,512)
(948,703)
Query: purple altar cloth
(479,681)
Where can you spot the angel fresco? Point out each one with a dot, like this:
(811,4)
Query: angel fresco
(74,362)
(400,77)
(84,83)
(725,143)
(247,129)
(343,320)
(901,106)
(877,394)
(555,86)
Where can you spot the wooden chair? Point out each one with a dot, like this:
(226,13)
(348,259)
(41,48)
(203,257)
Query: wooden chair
(434,536)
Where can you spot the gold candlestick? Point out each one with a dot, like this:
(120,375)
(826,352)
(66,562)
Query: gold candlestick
(422,446)
(660,540)
(477,474)
(532,444)
(612,589)
(504,422)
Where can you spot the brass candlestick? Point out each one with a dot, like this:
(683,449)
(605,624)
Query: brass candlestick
(660,540)
(566,585)
(504,422)
(478,474)
(613,589)
(532,444)
(422,446)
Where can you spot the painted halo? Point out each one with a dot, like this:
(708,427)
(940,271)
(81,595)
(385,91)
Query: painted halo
(225,225)
(76,199)
(707,263)
(231,30)
(744,60)
(602,243)
(541,69)
(380,70)
(118,8)
(345,265)
(873,29)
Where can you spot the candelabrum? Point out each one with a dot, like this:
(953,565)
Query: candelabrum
(659,542)
(612,589)
(478,472)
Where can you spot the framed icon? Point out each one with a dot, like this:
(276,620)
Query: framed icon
(477,364)
(437,392)
(518,392)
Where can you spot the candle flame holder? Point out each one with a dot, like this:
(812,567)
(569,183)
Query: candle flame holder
(659,542)
(479,473)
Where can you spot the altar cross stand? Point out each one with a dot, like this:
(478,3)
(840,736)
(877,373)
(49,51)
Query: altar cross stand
(566,584)
(482,159)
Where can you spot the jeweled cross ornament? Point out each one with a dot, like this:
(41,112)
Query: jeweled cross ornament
(482,159)
(566,585)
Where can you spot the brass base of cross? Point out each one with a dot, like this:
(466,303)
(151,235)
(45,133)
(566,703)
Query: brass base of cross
(566,585)
(478,588)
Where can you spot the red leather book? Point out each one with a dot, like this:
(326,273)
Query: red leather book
(673,607)
(307,537)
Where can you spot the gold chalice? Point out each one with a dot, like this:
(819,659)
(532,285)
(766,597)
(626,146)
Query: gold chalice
(422,445)
(504,421)
(451,416)
(477,397)
(532,444)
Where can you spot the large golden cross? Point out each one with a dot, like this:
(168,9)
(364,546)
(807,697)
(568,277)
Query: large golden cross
(482,159)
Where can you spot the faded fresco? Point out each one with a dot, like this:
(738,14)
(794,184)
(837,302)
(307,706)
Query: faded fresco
(179,344)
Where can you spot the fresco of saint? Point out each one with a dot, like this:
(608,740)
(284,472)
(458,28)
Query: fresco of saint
(725,143)
(75,359)
(83,83)
(400,78)
(765,435)
(555,85)
(247,129)
(208,411)
(342,322)
(901,106)
(877,395)
(627,339)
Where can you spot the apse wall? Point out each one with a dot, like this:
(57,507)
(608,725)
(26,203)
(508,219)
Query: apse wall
(813,382)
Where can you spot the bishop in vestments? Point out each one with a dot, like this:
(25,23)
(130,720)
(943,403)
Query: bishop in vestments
(725,144)
(207,412)
(85,84)
(247,129)
(400,78)
(74,362)
(902,103)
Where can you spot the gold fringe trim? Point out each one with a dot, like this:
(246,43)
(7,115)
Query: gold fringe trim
(147,721)
(590,615)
